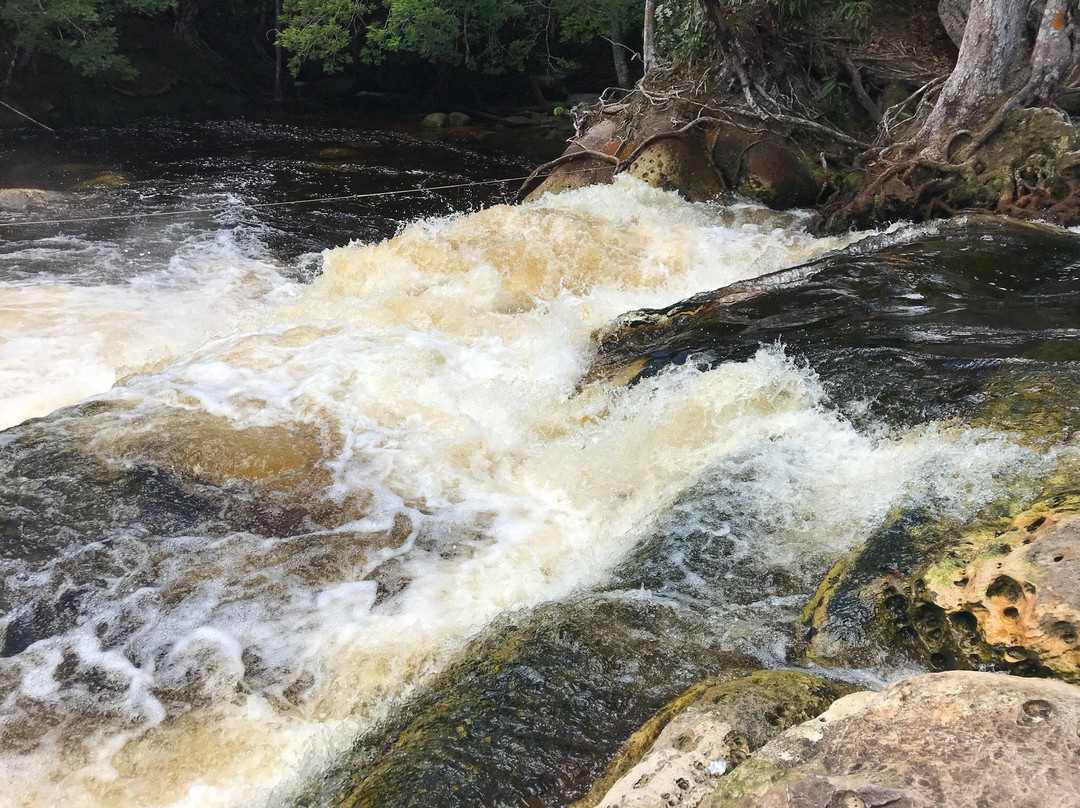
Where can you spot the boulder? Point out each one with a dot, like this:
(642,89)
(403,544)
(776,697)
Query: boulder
(677,756)
(958,739)
(764,168)
(436,120)
(603,138)
(458,119)
(677,164)
(17,200)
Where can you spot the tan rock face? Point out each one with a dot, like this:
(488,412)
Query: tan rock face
(958,739)
(679,756)
(1027,601)
(677,165)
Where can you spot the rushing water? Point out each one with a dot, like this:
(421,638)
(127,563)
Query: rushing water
(292,507)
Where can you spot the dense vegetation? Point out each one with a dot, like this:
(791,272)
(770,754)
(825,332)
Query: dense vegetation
(536,42)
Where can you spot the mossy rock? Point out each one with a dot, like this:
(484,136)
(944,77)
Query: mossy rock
(677,756)
(1037,404)
(531,711)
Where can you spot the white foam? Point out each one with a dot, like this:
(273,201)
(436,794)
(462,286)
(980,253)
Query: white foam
(61,342)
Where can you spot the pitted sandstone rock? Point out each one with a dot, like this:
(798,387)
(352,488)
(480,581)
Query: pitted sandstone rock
(945,740)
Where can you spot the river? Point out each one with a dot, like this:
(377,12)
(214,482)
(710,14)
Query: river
(273,503)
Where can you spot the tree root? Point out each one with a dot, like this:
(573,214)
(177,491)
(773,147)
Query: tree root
(546,168)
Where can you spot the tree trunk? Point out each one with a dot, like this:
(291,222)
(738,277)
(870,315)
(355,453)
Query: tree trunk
(993,38)
(279,72)
(1052,54)
(649,55)
(618,53)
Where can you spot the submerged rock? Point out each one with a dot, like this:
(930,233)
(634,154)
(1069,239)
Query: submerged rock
(962,740)
(106,179)
(17,200)
(677,756)
(901,329)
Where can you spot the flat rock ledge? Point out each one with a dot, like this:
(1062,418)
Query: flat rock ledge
(946,740)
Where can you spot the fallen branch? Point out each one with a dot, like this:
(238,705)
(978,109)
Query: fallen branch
(24,115)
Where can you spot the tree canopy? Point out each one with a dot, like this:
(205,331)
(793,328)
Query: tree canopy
(79,32)
(486,35)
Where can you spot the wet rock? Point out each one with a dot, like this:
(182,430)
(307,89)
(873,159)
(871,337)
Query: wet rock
(341,153)
(978,285)
(677,756)
(436,120)
(1002,591)
(532,709)
(458,119)
(959,739)
(17,200)
(676,164)
(106,179)
(764,168)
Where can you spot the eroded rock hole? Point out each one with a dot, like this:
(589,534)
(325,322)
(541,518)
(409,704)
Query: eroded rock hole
(1037,710)
(1064,631)
(1005,587)
(965,621)
(943,660)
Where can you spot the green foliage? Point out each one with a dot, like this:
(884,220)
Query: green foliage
(78,31)
(486,35)
(498,35)
(853,16)
(583,20)
(682,32)
(489,35)
(320,30)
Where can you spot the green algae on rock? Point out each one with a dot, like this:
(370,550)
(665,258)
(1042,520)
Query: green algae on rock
(676,757)
(530,710)
(982,740)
